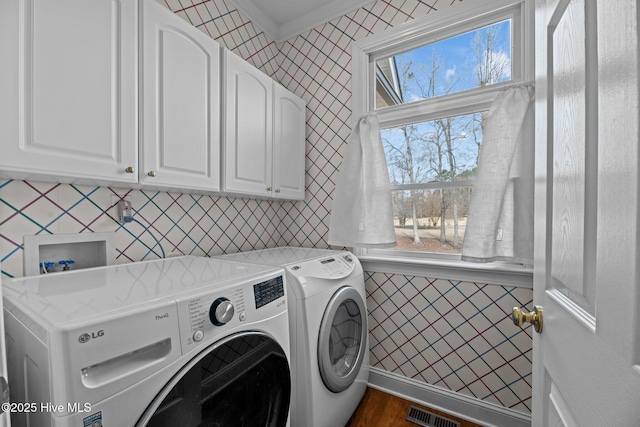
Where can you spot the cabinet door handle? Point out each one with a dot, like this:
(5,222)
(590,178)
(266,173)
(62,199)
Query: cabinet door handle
(277,190)
(269,188)
(151,173)
(130,169)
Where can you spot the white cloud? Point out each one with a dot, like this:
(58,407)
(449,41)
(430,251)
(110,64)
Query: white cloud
(450,73)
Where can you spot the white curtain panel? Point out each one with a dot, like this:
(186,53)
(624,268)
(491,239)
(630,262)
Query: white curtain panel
(362,214)
(500,221)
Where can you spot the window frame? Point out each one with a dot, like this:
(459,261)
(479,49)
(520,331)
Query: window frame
(450,22)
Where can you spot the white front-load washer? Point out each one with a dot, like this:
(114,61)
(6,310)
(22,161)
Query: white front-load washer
(329,333)
(186,342)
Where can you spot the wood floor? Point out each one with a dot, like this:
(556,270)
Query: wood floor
(379,409)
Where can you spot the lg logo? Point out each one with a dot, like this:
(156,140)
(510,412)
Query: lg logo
(86,337)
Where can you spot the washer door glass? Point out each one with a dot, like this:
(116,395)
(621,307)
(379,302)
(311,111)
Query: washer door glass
(343,335)
(243,380)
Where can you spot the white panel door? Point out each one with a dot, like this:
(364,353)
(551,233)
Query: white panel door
(586,273)
(180,103)
(289,113)
(248,131)
(69,92)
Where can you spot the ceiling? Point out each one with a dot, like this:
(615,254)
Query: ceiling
(283,19)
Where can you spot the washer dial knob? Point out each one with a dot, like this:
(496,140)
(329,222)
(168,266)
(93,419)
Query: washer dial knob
(221,311)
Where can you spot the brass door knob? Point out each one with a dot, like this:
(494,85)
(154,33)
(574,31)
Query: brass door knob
(130,169)
(535,317)
(151,173)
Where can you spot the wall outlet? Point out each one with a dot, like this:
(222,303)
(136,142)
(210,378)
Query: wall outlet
(116,198)
(125,212)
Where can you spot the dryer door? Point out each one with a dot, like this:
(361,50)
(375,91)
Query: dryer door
(243,380)
(342,340)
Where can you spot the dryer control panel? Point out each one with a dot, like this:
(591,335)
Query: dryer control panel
(330,267)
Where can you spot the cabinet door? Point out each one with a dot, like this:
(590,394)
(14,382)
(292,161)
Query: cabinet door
(180,81)
(248,132)
(289,112)
(68,102)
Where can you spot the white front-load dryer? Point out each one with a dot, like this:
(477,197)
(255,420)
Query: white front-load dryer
(329,332)
(186,342)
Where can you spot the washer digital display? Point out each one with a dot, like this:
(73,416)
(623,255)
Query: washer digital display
(268,291)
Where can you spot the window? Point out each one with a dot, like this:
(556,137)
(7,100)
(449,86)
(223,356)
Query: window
(476,58)
(430,81)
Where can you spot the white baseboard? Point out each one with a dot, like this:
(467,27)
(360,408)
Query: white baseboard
(456,404)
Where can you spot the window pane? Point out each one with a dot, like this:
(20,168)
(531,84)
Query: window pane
(443,150)
(474,59)
(431,220)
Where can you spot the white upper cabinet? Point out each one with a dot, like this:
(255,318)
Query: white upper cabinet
(113,92)
(264,136)
(289,113)
(71,114)
(248,130)
(180,103)
(68,85)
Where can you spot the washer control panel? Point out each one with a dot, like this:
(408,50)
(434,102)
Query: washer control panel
(206,312)
(211,315)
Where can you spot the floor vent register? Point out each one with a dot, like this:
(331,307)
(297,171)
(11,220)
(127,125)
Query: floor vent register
(429,419)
